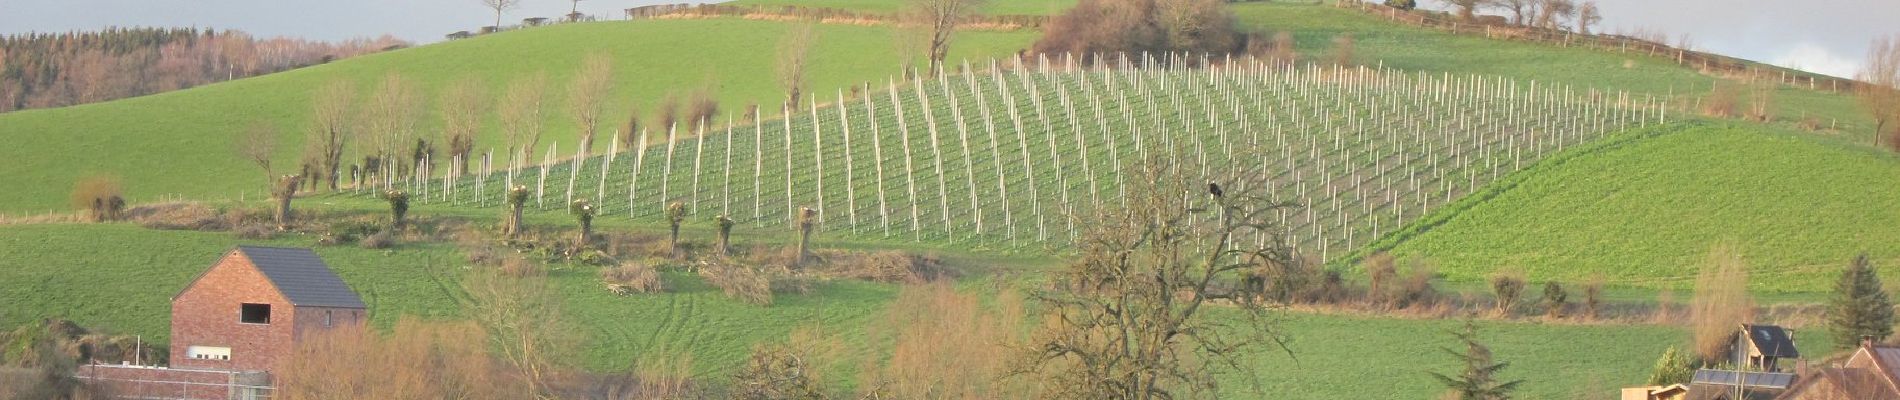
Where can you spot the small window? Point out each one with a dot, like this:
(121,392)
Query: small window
(252,313)
(326,318)
(208,353)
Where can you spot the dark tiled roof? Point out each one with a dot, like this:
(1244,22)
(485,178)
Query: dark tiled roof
(1773,341)
(302,277)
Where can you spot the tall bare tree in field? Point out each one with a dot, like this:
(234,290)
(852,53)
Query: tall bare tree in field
(793,59)
(499,6)
(462,107)
(522,316)
(394,114)
(588,93)
(334,124)
(1880,88)
(1520,9)
(1468,9)
(1721,303)
(1127,318)
(1588,15)
(940,18)
(257,145)
(1554,12)
(520,112)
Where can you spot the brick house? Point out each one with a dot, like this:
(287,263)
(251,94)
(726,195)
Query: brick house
(240,316)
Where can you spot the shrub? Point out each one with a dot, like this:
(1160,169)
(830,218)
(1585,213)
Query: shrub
(1381,269)
(1721,101)
(777,372)
(101,197)
(398,207)
(584,214)
(177,216)
(1344,50)
(351,230)
(1672,368)
(1402,4)
(1555,299)
(1416,289)
(521,267)
(632,277)
(890,267)
(738,282)
(675,215)
(1593,297)
(254,232)
(378,240)
(1508,286)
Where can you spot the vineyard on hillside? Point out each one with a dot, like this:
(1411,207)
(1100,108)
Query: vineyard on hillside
(1015,153)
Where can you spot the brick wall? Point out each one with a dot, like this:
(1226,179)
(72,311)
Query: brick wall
(311,319)
(206,314)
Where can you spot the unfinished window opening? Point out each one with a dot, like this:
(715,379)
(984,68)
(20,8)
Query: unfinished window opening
(251,313)
(326,318)
(208,353)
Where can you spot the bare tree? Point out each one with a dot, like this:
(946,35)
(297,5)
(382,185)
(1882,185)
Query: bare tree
(1520,9)
(394,114)
(1127,317)
(630,131)
(1721,303)
(1588,15)
(574,11)
(940,18)
(793,59)
(1553,13)
(588,94)
(520,112)
(524,322)
(334,122)
(462,107)
(257,145)
(1879,90)
(1468,9)
(499,6)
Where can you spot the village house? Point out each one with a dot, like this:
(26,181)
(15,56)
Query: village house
(1871,373)
(234,323)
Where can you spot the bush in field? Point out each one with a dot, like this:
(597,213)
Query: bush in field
(285,190)
(632,277)
(1416,289)
(739,282)
(517,199)
(435,360)
(1593,298)
(675,215)
(378,240)
(583,211)
(725,235)
(1555,299)
(948,345)
(1508,286)
(1135,26)
(398,207)
(101,197)
(1722,100)
(1381,270)
(1672,368)
(778,372)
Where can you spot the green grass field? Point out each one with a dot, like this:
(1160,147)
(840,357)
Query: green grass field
(996,7)
(180,143)
(59,271)
(1646,210)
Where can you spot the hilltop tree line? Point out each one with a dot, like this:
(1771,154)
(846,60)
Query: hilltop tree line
(44,70)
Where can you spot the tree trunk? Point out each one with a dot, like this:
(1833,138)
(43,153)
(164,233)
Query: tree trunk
(804,244)
(587,231)
(725,241)
(285,191)
(673,244)
(513,228)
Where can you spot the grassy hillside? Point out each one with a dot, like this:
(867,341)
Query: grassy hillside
(120,278)
(1646,210)
(1000,7)
(179,143)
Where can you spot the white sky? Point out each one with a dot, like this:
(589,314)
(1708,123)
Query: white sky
(1826,36)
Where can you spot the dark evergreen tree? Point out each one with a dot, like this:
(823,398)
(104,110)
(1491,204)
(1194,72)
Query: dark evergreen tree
(1478,380)
(1859,306)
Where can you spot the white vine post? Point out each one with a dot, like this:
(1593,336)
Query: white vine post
(574,171)
(600,189)
(996,156)
(877,149)
(818,158)
(725,183)
(699,148)
(850,183)
(540,187)
(1022,144)
(666,170)
(963,135)
(633,182)
(930,122)
(789,203)
(758,168)
(910,175)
